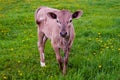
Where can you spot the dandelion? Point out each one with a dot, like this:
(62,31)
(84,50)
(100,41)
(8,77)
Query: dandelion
(2,31)
(107,47)
(101,52)
(119,35)
(118,49)
(99,33)
(94,53)
(20,74)
(11,49)
(100,66)
(4,77)
(19,71)
(101,41)
(19,61)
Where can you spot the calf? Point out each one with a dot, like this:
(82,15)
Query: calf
(57,26)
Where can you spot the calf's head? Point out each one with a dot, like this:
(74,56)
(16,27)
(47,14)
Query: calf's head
(64,20)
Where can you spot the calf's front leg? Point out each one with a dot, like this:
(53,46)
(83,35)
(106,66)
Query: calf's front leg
(58,57)
(66,55)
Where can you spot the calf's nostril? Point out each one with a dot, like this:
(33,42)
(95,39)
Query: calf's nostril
(63,34)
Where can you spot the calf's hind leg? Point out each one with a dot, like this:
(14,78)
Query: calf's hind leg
(41,44)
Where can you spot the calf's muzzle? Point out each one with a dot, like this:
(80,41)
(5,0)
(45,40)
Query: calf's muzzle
(63,34)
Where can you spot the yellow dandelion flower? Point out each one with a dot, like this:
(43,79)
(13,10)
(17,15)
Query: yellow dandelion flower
(118,49)
(100,66)
(11,49)
(119,35)
(100,51)
(19,71)
(99,33)
(94,53)
(20,74)
(107,47)
(19,61)
(4,77)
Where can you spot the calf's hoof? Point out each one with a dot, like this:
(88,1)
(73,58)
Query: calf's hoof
(42,64)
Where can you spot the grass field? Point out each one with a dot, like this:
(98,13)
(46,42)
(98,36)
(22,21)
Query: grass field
(95,53)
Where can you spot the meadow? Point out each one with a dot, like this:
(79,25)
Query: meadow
(95,53)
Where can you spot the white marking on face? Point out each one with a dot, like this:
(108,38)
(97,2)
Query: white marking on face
(41,18)
(42,64)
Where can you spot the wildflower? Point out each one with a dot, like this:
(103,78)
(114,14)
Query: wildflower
(20,74)
(4,77)
(94,53)
(100,66)
(118,49)
(107,47)
(101,52)
(101,41)
(19,61)
(99,33)
(19,71)
(118,34)
(11,49)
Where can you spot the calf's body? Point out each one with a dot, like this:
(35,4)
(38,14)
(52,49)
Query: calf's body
(57,26)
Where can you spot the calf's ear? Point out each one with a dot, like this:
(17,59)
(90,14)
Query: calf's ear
(77,14)
(52,15)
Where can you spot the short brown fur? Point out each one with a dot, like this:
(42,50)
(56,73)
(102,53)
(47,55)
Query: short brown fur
(57,26)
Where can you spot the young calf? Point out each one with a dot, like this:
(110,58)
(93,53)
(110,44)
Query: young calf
(57,26)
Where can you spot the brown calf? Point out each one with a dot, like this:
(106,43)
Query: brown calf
(57,26)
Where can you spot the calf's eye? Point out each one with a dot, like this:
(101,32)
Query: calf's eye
(58,22)
(70,21)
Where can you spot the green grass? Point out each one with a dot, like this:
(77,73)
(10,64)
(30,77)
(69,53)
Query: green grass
(95,53)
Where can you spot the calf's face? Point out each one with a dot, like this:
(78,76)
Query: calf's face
(64,20)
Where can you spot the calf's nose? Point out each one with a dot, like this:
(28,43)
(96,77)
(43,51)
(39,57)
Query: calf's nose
(63,34)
